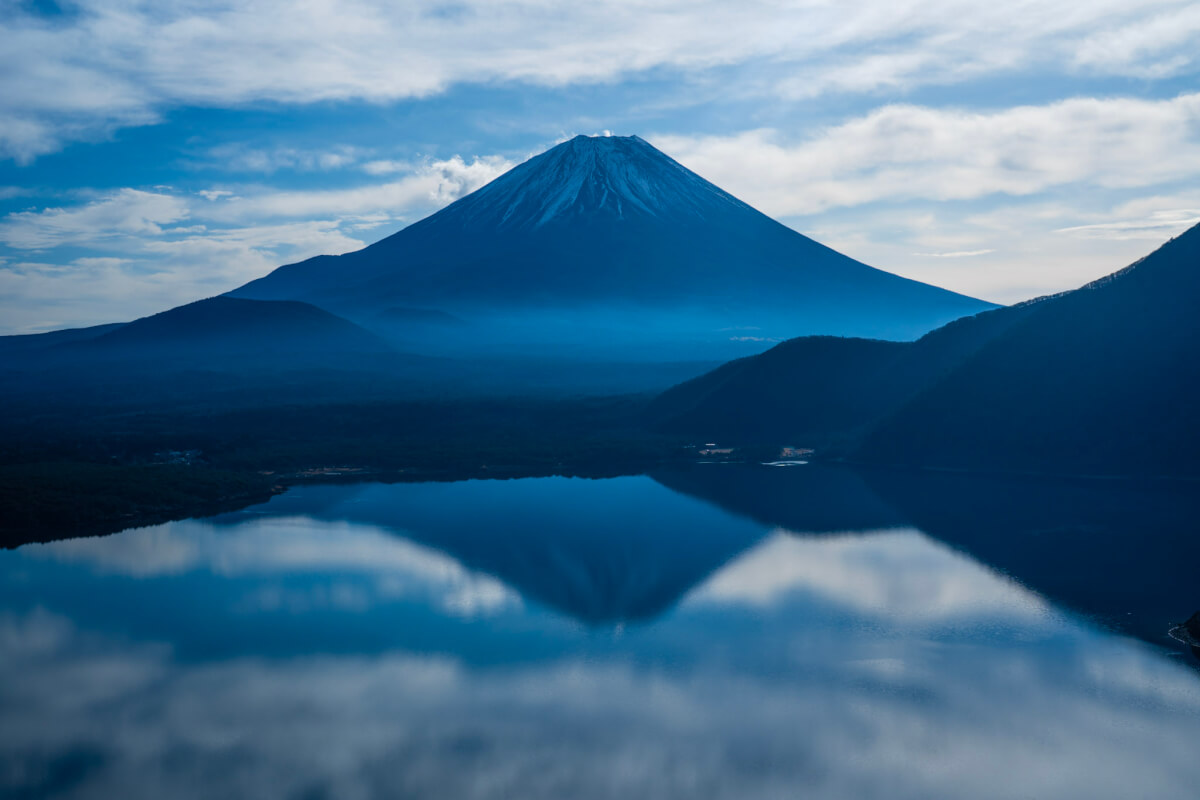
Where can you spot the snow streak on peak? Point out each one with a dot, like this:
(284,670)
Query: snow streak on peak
(590,177)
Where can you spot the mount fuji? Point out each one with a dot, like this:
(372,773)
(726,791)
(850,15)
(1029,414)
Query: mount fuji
(606,248)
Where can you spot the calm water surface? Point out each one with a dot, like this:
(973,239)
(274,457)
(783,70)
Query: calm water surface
(722,631)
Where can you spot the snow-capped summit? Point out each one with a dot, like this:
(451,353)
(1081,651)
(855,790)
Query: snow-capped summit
(608,243)
(589,175)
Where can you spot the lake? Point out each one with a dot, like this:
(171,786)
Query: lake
(723,631)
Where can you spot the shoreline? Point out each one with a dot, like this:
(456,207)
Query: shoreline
(48,522)
(51,501)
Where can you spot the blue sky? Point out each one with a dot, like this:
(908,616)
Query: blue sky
(156,153)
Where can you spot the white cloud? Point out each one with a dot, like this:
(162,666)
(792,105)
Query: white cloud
(119,63)
(38,296)
(1003,205)
(314,237)
(143,261)
(428,186)
(125,212)
(1036,246)
(25,139)
(1158,46)
(386,167)
(242,158)
(152,272)
(904,152)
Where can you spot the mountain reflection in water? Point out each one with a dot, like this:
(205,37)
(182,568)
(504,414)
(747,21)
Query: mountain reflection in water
(719,631)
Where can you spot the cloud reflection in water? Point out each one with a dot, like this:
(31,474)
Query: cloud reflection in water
(865,665)
(373,563)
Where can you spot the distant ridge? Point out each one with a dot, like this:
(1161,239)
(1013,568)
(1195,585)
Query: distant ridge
(24,343)
(219,333)
(236,326)
(605,244)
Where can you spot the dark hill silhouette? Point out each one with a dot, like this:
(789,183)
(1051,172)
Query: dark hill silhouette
(23,344)
(223,330)
(820,390)
(602,245)
(227,326)
(1099,380)
(272,349)
(807,390)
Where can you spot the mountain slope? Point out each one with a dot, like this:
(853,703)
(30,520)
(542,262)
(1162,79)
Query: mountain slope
(606,243)
(1101,379)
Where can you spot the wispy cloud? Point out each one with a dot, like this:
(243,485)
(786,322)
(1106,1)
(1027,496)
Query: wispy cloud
(956,253)
(1035,246)
(386,167)
(1154,227)
(236,157)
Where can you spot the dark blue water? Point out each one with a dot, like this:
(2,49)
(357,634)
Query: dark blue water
(722,631)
